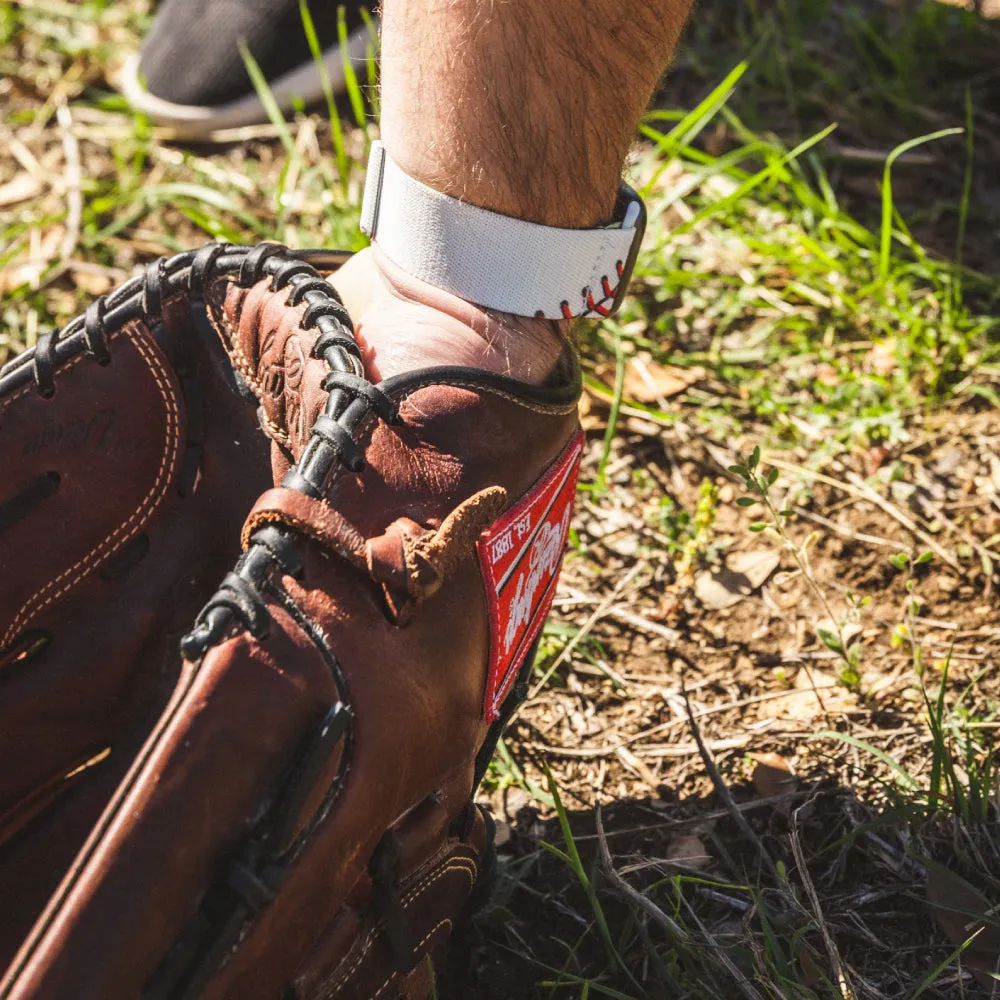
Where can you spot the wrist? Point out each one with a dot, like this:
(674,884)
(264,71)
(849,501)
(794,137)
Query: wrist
(502,263)
(402,323)
(522,346)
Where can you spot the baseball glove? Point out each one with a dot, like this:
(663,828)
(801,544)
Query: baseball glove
(261,623)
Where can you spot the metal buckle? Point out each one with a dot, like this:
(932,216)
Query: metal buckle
(628,196)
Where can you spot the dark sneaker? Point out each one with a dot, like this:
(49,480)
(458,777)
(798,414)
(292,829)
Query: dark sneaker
(191,77)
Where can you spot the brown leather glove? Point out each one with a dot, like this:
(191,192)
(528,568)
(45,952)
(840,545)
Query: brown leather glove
(283,807)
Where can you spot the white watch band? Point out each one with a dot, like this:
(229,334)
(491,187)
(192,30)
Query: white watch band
(496,261)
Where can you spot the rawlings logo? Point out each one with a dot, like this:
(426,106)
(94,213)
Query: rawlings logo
(92,434)
(280,371)
(520,557)
(543,561)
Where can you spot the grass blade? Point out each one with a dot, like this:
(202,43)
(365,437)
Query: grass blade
(336,130)
(963,208)
(266,95)
(770,172)
(350,76)
(935,973)
(572,858)
(905,778)
(885,245)
(694,122)
(616,405)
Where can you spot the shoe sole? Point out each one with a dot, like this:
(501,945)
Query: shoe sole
(192,121)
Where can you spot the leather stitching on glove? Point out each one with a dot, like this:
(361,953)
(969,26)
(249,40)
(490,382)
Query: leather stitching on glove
(133,524)
(240,816)
(446,923)
(526,404)
(465,865)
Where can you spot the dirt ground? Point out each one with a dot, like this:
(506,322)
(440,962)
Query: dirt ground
(761,685)
(743,651)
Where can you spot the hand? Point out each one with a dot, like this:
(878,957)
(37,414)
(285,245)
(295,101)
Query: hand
(403,323)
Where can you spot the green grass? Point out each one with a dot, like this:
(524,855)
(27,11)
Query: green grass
(809,289)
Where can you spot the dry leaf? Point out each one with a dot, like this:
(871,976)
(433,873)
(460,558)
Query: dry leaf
(688,850)
(811,679)
(756,565)
(956,905)
(881,359)
(804,703)
(812,972)
(647,428)
(589,420)
(638,767)
(988,8)
(718,590)
(772,776)
(29,267)
(92,282)
(503,833)
(743,574)
(995,473)
(875,458)
(647,381)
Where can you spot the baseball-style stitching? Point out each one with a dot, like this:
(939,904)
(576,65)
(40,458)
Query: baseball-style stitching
(466,865)
(442,923)
(244,366)
(121,534)
(456,864)
(548,410)
(598,306)
(236,351)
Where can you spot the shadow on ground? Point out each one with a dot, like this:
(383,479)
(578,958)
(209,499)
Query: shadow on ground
(837,888)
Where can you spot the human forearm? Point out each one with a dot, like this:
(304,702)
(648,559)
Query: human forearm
(525,109)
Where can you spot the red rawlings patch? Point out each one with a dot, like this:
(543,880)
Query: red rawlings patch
(520,557)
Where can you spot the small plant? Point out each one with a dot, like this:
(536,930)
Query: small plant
(838,633)
(673,521)
(690,536)
(964,778)
(904,632)
(504,772)
(702,525)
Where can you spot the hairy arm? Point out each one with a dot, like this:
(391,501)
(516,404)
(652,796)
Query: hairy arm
(526,108)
